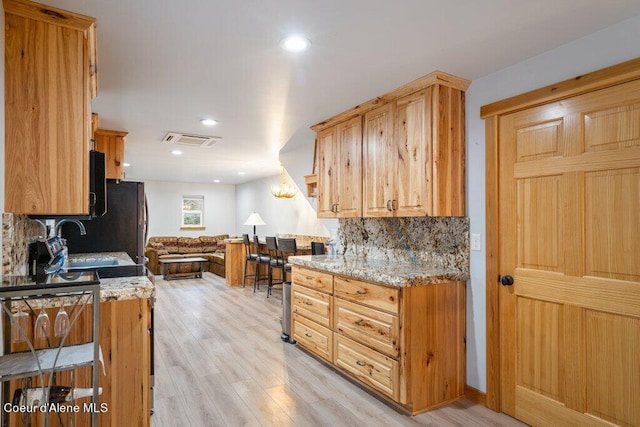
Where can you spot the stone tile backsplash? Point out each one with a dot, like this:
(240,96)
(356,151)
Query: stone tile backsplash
(433,241)
(17,232)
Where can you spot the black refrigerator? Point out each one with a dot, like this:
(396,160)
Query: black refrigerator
(121,229)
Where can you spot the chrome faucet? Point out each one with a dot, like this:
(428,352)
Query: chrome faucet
(44,228)
(80,225)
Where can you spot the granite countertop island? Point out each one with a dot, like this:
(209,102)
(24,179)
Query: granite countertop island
(385,272)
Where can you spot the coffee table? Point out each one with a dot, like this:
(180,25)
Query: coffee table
(173,268)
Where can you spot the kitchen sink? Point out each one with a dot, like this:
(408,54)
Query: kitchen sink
(93,263)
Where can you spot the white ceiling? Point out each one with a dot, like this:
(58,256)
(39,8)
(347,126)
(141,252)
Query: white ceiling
(165,64)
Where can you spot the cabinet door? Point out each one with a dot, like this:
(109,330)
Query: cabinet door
(313,279)
(372,368)
(111,143)
(413,149)
(313,337)
(376,296)
(47,113)
(328,174)
(313,305)
(349,186)
(373,328)
(379,162)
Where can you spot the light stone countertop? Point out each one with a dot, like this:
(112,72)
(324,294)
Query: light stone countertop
(385,272)
(111,289)
(125,288)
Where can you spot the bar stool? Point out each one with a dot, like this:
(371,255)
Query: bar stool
(250,257)
(262,259)
(275,261)
(287,248)
(317,248)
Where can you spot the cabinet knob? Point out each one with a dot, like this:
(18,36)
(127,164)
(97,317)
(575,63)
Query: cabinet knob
(388,205)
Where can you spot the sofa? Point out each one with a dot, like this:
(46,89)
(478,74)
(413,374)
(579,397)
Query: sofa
(212,248)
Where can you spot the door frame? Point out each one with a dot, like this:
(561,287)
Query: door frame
(600,79)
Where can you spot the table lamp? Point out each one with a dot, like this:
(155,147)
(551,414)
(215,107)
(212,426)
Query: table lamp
(254,219)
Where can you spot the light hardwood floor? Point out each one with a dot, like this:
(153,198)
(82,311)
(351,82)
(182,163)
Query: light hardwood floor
(219,361)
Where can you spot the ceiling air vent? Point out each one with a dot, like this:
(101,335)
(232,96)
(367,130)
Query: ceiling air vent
(192,140)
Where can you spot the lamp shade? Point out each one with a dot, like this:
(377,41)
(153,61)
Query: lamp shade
(254,219)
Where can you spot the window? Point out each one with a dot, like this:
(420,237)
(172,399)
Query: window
(193,211)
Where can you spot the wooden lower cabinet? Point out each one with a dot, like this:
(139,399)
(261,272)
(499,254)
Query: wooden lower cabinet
(377,329)
(407,344)
(311,304)
(125,345)
(316,280)
(313,336)
(367,365)
(125,341)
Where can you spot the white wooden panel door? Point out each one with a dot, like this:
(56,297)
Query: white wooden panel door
(569,217)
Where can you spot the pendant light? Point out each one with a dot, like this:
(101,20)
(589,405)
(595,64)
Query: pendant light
(284,190)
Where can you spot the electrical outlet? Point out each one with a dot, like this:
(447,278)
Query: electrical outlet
(476,242)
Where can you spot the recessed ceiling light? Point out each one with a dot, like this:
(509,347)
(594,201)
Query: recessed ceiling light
(176,152)
(295,43)
(208,122)
(241,173)
(126,165)
(216,181)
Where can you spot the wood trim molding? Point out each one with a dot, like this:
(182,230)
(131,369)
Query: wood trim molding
(193,228)
(610,76)
(437,77)
(48,14)
(475,395)
(492,250)
(116,133)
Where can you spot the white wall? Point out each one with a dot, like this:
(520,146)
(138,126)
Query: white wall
(287,216)
(610,46)
(299,162)
(165,208)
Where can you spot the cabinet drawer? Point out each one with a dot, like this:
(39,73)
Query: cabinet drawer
(369,366)
(312,336)
(375,296)
(368,326)
(313,279)
(312,305)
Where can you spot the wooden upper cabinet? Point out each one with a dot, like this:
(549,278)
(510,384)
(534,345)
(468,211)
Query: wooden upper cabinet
(412,142)
(48,70)
(378,165)
(111,143)
(413,149)
(327,172)
(340,170)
